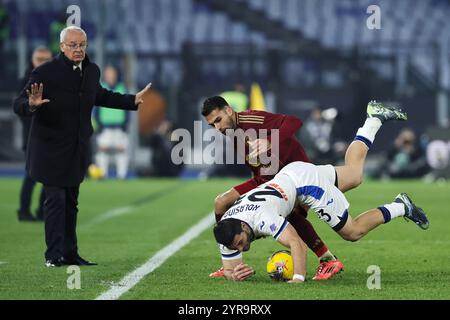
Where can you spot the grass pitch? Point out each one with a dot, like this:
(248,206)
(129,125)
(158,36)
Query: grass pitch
(122,224)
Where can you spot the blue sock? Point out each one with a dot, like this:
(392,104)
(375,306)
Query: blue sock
(368,131)
(366,141)
(386,214)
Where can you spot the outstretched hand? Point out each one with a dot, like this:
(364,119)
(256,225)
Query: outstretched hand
(139,96)
(35,96)
(258,147)
(242,271)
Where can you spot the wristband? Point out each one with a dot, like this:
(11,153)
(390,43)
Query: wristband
(298,277)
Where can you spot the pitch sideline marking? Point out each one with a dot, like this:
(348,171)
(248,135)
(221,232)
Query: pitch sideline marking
(116,212)
(131,279)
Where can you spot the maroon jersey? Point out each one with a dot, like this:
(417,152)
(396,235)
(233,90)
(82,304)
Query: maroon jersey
(290,149)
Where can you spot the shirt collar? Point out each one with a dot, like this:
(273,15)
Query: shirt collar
(64,59)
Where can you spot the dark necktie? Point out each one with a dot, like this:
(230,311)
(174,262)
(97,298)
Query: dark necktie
(78,71)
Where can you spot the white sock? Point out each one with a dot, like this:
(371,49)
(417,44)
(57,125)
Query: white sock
(122,165)
(369,129)
(102,160)
(396,209)
(327,256)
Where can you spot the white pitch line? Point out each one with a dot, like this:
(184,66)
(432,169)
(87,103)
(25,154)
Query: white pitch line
(131,279)
(117,212)
(107,215)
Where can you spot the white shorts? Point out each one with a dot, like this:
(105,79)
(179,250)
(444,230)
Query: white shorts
(316,188)
(114,138)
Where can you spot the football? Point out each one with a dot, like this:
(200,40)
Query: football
(95,172)
(280,266)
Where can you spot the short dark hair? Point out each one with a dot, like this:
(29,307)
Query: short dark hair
(226,230)
(213,103)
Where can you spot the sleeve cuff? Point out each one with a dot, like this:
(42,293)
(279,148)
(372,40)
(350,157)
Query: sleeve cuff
(283,226)
(232,256)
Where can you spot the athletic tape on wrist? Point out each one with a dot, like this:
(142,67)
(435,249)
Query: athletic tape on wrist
(298,277)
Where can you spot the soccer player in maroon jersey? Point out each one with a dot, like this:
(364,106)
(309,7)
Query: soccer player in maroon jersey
(222,117)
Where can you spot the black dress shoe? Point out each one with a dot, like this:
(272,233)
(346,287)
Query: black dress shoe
(25,216)
(77,261)
(53,263)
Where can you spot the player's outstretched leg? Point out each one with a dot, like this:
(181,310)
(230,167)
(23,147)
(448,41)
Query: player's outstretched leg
(402,206)
(383,113)
(412,212)
(351,174)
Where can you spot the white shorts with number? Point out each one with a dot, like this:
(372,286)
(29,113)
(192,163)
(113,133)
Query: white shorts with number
(112,138)
(315,186)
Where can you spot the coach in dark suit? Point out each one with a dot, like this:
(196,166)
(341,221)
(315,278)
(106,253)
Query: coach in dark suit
(40,55)
(59,96)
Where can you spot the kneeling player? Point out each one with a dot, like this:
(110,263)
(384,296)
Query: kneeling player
(263,211)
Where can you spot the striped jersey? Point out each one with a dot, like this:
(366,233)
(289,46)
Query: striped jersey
(290,149)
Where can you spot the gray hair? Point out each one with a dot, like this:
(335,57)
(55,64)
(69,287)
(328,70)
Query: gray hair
(41,48)
(63,33)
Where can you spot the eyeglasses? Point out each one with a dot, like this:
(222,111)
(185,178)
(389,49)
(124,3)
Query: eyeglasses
(74,46)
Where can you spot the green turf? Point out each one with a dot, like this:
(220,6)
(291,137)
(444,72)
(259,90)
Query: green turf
(414,264)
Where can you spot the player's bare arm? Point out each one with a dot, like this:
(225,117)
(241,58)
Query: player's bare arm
(290,239)
(224,201)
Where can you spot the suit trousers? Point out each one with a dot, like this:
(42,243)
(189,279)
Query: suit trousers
(61,208)
(26,193)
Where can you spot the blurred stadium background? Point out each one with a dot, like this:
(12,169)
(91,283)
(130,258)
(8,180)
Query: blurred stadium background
(304,54)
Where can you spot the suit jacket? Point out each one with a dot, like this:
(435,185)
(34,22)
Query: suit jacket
(26,121)
(57,153)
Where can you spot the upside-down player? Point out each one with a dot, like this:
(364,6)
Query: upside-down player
(262,211)
(222,117)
